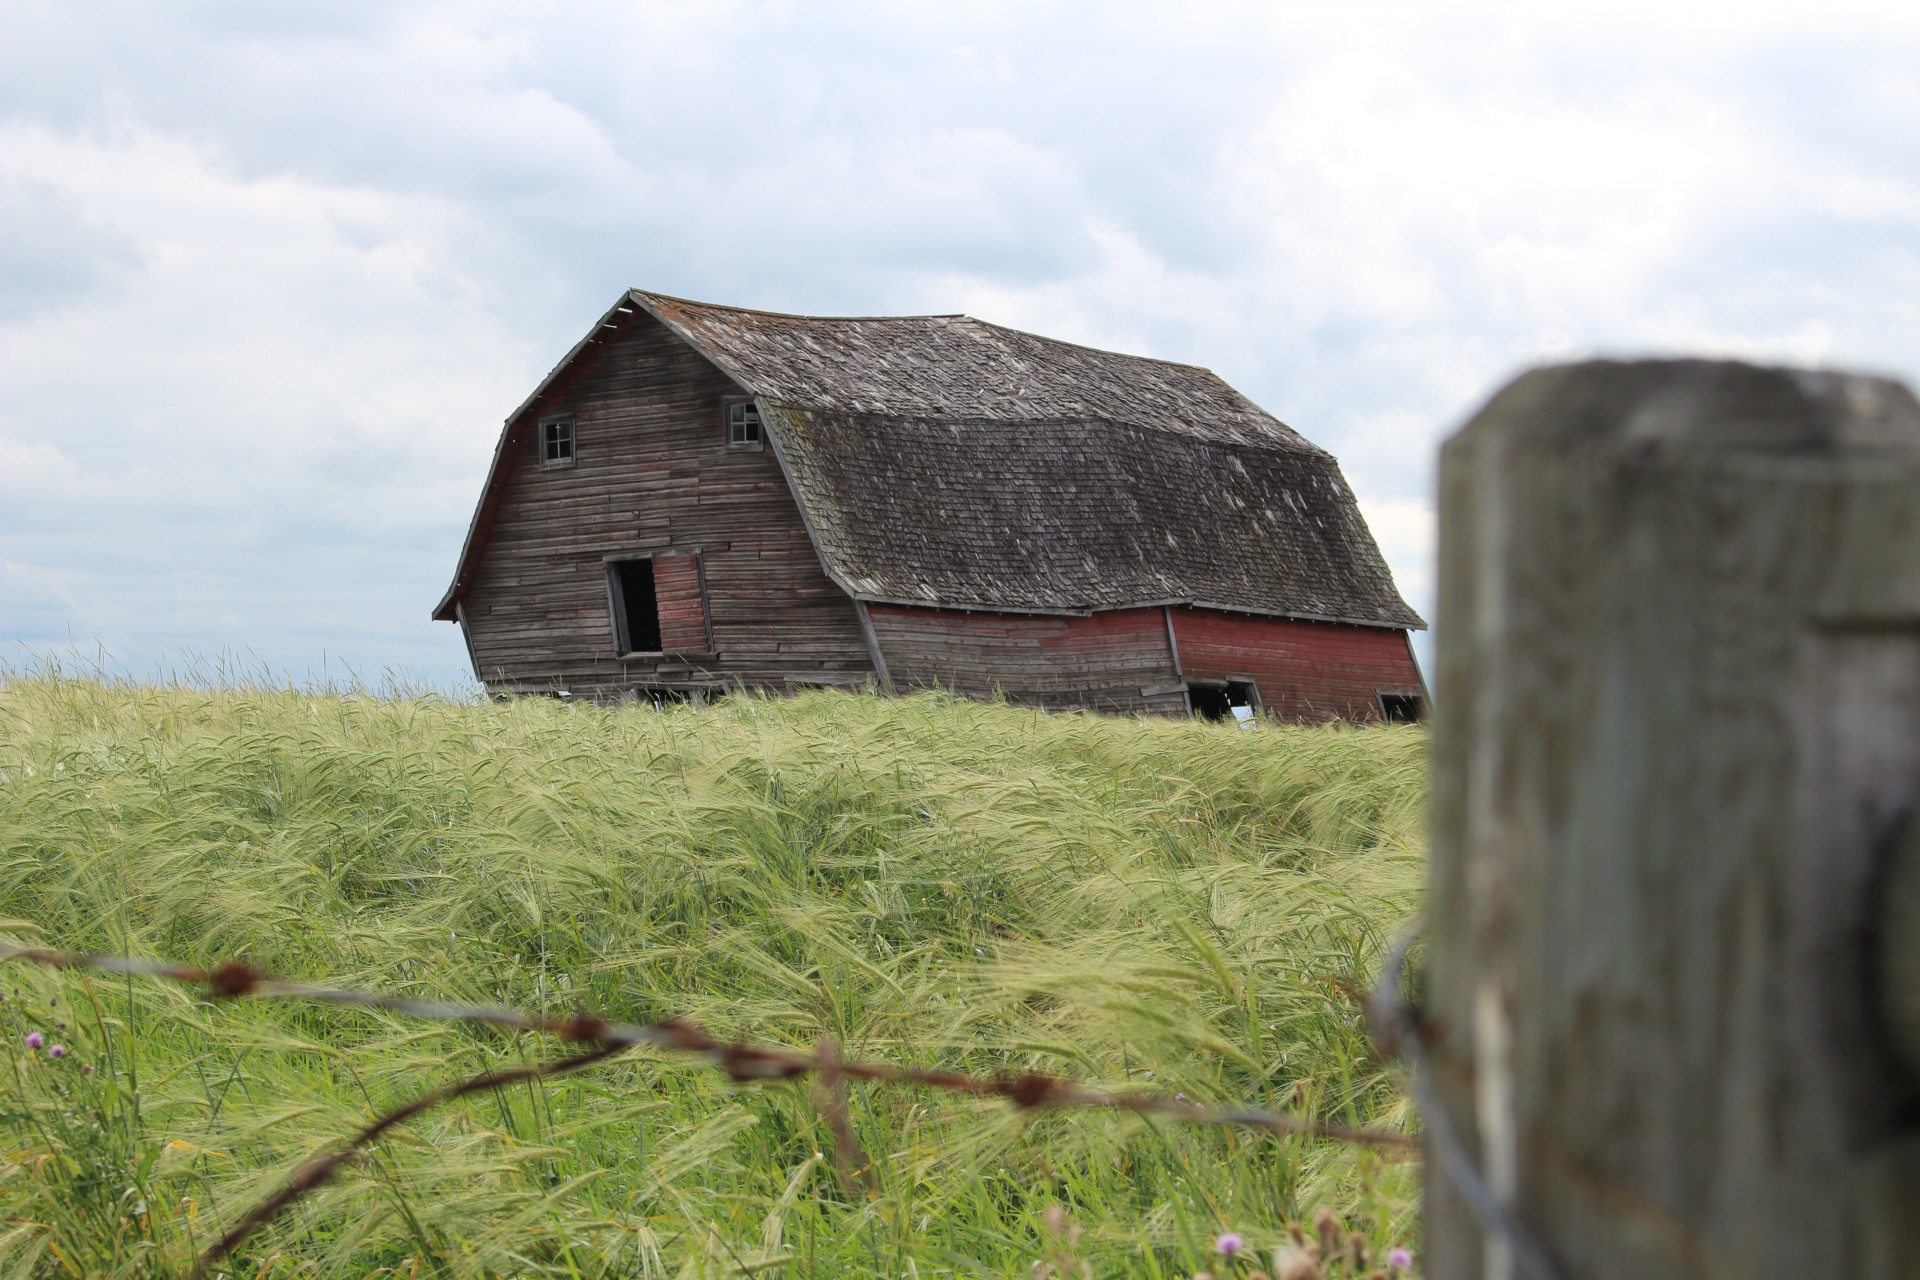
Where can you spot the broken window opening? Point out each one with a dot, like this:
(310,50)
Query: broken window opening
(1402,708)
(636,608)
(743,425)
(1236,700)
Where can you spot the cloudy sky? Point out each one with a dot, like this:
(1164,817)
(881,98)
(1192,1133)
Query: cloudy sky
(274,272)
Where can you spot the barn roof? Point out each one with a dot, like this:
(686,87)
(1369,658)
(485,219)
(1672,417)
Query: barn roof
(964,370)
(945,460)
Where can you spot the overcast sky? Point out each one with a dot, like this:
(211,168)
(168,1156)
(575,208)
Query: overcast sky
(274,272)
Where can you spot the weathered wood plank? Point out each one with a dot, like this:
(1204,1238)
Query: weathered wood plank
(1677,730)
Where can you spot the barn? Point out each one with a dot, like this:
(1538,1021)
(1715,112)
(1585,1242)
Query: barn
(704,498)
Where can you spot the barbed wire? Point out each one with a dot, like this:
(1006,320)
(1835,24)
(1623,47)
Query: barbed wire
(742,1062)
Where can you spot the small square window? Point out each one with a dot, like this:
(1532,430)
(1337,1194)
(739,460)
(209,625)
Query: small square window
(743,425)
(556,442)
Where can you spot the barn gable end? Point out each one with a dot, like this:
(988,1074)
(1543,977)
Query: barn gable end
(739,593)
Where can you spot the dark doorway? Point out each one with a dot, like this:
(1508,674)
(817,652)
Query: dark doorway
(636,610)
(1209,701)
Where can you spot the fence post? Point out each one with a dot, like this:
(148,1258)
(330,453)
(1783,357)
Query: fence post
(1673,969)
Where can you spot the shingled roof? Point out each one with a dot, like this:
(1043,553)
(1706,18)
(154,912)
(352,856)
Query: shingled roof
(943,460)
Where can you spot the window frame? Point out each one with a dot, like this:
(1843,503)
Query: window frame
(1247,686)
(567,428)
(751,416)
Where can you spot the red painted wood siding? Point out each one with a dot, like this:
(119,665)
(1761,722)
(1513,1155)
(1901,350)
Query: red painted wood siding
(1305,670)
(1103,661)
(1309,671)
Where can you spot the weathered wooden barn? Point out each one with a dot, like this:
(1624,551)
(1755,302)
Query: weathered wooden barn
(701,498)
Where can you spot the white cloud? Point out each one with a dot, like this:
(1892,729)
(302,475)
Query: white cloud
(296,369)
(276,273)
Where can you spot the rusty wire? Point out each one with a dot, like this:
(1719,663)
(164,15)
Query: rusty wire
(743,1063)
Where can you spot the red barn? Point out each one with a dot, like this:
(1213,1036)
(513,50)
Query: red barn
(701,498)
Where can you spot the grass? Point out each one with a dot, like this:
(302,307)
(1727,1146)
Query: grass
(1169,906)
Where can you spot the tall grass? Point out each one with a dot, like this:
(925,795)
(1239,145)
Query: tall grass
(1163,905)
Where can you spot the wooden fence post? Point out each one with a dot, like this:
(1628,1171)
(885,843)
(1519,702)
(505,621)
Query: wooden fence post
(1673,968)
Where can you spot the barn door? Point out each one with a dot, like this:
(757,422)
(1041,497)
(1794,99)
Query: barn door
(679,591)
(660,604)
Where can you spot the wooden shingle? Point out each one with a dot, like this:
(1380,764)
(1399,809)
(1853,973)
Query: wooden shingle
(944,460)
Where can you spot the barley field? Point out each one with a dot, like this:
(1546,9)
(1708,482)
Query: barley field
(1166,906)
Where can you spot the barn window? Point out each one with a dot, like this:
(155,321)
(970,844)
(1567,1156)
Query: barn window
(1402,708)
(556,442)
(636,606)
(743,425)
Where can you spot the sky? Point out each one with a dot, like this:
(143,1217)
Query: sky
(272,274)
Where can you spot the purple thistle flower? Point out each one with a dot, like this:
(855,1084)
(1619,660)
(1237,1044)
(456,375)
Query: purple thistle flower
(1400,1260)
(33,1040)
(86,1068)
(56,1051)
(1229,1244)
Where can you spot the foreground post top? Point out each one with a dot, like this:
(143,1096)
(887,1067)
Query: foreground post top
(1695,405)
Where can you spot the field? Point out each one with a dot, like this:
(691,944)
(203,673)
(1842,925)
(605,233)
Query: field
(1173,907)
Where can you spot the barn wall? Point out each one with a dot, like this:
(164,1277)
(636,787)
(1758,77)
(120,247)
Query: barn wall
(1120,660)
(1305,670)
(652,475)
(1105,661)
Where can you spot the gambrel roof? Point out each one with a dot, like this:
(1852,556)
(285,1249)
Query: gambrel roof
(943,460)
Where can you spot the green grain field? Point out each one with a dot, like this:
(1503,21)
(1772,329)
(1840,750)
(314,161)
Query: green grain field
(1164,906)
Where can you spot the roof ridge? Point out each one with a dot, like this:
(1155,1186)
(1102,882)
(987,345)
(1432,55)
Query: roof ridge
(788,315)
(1292,438)
(940,315)
(1099,351)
